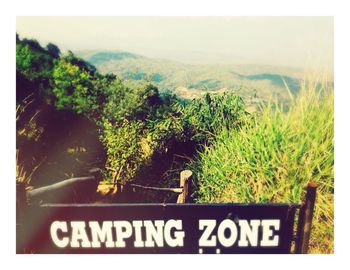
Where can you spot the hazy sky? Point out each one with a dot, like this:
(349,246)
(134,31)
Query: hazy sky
(288,41)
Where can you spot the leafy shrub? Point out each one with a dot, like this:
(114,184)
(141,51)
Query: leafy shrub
(127,148)
(124,129)
(74,88)
(207,116)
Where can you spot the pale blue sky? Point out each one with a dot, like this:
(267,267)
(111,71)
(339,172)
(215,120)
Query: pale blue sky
(287,41)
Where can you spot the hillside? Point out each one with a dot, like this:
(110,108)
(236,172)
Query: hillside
(70,118)
(191,81)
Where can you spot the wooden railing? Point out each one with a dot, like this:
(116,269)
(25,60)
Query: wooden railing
(60,191)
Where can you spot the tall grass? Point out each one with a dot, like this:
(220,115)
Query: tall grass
(21,174)
(272,157)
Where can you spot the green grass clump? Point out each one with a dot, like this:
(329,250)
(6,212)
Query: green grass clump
(272,157)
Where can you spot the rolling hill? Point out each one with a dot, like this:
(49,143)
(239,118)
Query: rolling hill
(191,81)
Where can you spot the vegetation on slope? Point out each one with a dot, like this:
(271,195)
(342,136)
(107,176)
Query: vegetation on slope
(70,117)
(272,157)
(132,121)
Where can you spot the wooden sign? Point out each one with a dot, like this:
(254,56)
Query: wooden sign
(157,228)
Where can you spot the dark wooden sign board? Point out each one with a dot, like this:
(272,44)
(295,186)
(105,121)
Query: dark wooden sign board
(162,228)
(170,228)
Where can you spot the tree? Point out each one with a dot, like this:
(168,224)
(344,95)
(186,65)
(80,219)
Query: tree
(53,50)
(34,67)
(86,66)
(74,88)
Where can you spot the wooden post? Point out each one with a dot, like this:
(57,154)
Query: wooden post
(185,184)
(305,219)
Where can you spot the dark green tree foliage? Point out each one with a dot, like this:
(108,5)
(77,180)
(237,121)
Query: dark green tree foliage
(124,124)
(85,66)
(200,119)
(34,67)
(135,123)
(78,87)
(53,50)
(204,118)
(73,87)
(44,132)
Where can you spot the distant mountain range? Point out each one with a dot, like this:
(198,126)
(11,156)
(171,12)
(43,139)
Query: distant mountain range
(191,81)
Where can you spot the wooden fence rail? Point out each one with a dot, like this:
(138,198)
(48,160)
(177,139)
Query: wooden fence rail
(58,192)
(175,190)
(184,190)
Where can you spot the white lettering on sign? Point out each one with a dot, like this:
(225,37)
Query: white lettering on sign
(227,233)
(101,234)
(78,235)
(59,226)
(161,233)
(268,239)
(249,232)
(178,239)
(227,225)
(208,226)
(123,229)
(154,233)
(137,224)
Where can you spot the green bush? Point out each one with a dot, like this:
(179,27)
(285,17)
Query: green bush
(206,117)
(74,88)
(127,148)
(125,126)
